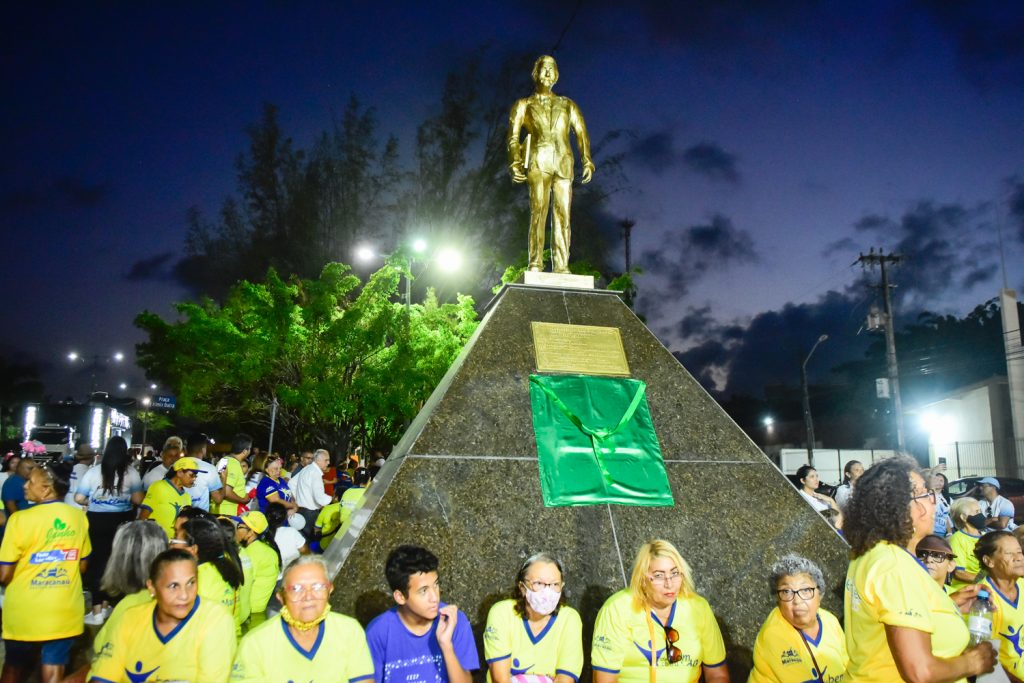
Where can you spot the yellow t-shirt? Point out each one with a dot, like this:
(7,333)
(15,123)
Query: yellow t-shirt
(110,625)
(266,566)
(198,650)
(214,589)
(235,481)
(963,544)
(269,654)
(1007,624)
(558,649)
(164,501)
(243,603)
(888,586)
(45,543)
(780,652)
(328,522)
(622,643)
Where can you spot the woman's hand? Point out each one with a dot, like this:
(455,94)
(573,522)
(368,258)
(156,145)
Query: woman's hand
(981,659)
(964,598)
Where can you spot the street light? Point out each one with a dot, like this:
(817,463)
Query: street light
(145,423)
(97,358)
(447,258)
(808,422)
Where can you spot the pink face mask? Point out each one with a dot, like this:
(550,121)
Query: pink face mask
(543,601)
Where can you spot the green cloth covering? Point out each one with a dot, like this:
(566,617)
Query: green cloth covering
(596,442)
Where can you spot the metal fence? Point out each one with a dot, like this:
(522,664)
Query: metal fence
(829,462)
(976,458)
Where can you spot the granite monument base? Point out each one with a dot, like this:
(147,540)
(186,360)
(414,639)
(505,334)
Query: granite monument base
(464,483)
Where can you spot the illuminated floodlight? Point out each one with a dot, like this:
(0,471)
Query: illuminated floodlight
(96,428)
(419,245)
(152,386)
(941,428)
(449,260)
(365,253)
(122,386)
(145,400)
(768,421)
(118,356)
(73,355)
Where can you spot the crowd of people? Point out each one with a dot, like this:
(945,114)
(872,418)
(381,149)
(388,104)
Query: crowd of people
(218,579)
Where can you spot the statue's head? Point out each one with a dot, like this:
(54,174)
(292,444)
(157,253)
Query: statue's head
(542,62)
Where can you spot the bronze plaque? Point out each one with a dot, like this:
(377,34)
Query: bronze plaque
(579,349)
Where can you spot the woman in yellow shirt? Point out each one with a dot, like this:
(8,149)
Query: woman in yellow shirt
(176,637)
(220,568)
(799,640)
(658,622)
(535,632)
(1000,554)
(900,625)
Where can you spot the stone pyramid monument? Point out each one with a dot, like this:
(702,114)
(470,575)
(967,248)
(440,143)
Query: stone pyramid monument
(464,482)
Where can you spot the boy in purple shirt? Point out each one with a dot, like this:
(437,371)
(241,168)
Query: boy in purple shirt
(420,639)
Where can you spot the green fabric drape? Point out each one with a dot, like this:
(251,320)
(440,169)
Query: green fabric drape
(596,442)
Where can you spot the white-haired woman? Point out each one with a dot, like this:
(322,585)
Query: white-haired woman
(799,641)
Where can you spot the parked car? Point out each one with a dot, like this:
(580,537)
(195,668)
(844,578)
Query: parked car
(1009,488)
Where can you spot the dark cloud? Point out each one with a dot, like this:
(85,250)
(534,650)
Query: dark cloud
(158,267)
(654,151)
(1015,205)
(66,192)
(943,246)
(844,244)
(710,160)
(988,37)
(735,358)
(687,255)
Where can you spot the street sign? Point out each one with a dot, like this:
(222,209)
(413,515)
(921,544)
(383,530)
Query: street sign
(882,387)
(164,402)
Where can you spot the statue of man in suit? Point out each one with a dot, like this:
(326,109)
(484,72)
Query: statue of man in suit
(545,161)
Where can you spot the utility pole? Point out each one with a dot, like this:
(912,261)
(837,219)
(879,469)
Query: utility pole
(882,260)
(627,233)
(808,421)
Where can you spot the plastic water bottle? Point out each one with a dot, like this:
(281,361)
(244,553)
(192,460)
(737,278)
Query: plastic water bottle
(979,620)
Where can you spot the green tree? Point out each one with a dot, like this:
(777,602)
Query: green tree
(343,358)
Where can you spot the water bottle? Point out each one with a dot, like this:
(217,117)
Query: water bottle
(979,620)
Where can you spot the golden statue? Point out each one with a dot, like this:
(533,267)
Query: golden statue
(545,161)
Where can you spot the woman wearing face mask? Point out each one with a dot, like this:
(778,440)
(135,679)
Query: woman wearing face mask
(534,632)
(969,523)
(658,627)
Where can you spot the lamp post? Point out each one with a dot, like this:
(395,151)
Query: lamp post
(97,358)
(145,423)
(808,421)
(449,260)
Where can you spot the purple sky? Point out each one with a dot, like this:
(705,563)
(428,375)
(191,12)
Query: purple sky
(769,143)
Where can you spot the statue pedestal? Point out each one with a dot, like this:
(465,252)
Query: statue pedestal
(559,280)
(464,482)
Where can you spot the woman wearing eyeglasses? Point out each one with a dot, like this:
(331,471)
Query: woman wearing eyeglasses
(1000,554)
(900,625)
(799,641)
(658,627)
(306,641)
(176,637)
(938,558)
(534,632)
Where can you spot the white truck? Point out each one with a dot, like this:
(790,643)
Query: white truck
(59,440)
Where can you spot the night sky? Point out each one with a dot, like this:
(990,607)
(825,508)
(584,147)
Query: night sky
(768,143)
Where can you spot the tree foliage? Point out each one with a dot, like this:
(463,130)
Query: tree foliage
(342,358)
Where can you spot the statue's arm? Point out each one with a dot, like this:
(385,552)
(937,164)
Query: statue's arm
(582,140)
(515,155)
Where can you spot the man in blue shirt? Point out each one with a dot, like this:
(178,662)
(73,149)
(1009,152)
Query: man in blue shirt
(13,492)
(421,638)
